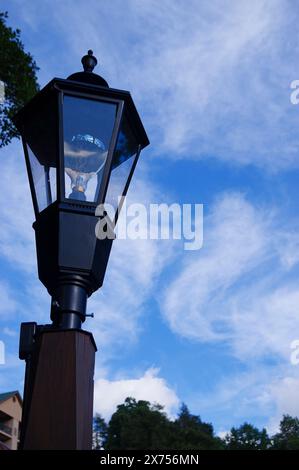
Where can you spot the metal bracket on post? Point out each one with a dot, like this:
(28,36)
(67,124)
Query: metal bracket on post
(27,339)
(28,335)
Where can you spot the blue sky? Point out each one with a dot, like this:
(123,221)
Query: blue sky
(213,327)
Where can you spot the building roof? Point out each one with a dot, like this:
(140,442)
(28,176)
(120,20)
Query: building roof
(7,395)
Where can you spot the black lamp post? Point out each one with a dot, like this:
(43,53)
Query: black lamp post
(82,141)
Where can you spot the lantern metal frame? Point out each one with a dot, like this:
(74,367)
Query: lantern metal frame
(70,268)
(125,108)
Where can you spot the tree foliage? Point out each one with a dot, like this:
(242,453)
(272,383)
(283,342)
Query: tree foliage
(288,436)
(190,432)
(247,437)
(99,435)
(138,425)
(18,72)
(142,425)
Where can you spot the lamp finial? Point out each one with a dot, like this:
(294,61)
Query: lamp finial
(89,61)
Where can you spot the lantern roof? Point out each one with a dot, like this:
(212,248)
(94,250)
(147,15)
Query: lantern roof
(87,84)
(83,89)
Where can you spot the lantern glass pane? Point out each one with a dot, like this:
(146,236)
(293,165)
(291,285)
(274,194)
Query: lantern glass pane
(126,152)
(41,145)
(44,180)
(87,126)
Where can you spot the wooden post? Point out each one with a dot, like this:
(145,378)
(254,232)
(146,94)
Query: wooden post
(59,391)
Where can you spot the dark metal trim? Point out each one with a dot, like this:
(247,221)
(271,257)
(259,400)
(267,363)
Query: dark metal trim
(88,96)
(60,150)
(97,91)
(123,196)
(48,185)
(107,168)
(91,89)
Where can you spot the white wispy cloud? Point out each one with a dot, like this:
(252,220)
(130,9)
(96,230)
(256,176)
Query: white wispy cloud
(241,290)
(8,305)
(235,289)
(210,80)
(10,332)
(264,393)
(239,395)
(16,234)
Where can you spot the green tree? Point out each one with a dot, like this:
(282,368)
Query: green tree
(190,432)
(138,425)
(99,432)
(141,425)
(288,437)
(18,72)
(247,437)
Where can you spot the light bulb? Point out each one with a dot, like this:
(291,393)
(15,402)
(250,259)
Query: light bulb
(84,157)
